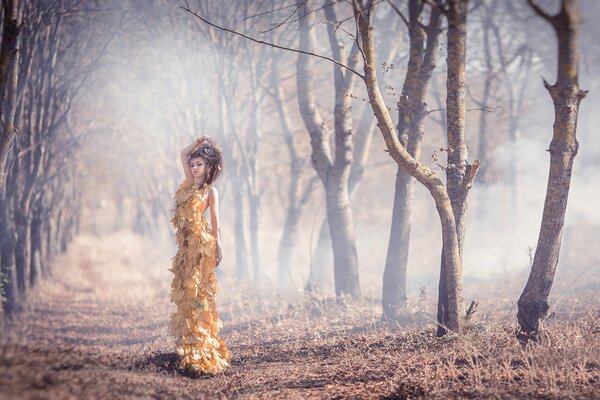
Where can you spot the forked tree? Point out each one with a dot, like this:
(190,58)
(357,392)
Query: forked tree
(450,200)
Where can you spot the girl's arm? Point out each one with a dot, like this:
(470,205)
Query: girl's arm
(185,156)
(185,159)
(213,202)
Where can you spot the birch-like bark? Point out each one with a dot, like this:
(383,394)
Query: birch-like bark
(566,96)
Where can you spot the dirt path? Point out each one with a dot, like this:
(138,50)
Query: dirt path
(98,329)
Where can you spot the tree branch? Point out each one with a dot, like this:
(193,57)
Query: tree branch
(268,43)
(399,13)
(533,4)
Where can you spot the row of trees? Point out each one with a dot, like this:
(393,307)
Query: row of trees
(40,198)
(44,77)
(403,143)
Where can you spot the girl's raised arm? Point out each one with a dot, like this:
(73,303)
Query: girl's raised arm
(185,156)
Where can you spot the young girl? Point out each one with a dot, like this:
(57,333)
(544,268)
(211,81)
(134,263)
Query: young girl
(196,323)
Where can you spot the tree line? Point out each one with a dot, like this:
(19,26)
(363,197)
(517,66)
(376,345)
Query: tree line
(45,126)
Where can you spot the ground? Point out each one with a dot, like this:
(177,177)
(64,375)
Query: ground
(97,328)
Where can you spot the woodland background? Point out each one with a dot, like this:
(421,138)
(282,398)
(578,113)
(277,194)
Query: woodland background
(104,94)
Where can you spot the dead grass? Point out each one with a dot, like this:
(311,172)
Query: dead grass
(98,329)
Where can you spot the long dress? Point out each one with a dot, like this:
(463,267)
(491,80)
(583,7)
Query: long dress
(196,323)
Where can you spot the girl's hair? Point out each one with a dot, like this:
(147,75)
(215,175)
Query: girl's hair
(210,153)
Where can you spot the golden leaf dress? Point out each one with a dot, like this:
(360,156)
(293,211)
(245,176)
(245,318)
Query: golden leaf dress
(196,323)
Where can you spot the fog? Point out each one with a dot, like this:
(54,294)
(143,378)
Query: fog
(160,83)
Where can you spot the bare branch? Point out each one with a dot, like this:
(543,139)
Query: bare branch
(286,19)
(262,13)
(276,46)
(540,12)
(399,13)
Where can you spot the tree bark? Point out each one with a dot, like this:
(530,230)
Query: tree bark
(297,200)
(36,248)
(566,96)
(412,109)
(333,173)
(456,170)
(419,171)
(9,72)
(8,278)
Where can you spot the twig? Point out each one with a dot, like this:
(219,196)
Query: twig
(399,13)
(271,44)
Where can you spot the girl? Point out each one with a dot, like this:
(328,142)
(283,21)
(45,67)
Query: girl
(196,323)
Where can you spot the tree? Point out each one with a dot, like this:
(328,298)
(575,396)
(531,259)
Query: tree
(332,169)
(450,202)
(412,109)
(566,96)
(9,72)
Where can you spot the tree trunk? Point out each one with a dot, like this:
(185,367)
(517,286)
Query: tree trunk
(456,170)
(333,173)
(9,72)
(254,201)
(394,294)
(36,248)
(412,109)
(8,290)
(566,96)
(292,218)
(419,171)
(321,260)
(254,194)
(22,247)
(241,254)
(341,229)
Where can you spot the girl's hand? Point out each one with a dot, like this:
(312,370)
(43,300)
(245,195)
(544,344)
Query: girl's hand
(219,254)
(201,139)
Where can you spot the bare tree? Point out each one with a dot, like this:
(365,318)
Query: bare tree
(451,202)
(9,72)
(332,169)
(566,96)
(412,109)
(298,196)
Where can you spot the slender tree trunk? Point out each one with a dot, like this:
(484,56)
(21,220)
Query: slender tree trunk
(412,109)
(36,248)
(456,170)
(483,151)
(254,235)
(241,254)
(22,247)
(394,294)
(292,218)
(333,173)
(254,195)
(9,73)
(566,96)
(321,260)
(287,242)
(339,218)
(8,292)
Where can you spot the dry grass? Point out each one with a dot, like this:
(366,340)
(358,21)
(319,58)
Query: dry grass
(98,329)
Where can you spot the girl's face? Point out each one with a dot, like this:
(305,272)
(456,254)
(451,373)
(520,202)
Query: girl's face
(198,168)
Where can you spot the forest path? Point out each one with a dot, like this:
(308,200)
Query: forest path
(98,328)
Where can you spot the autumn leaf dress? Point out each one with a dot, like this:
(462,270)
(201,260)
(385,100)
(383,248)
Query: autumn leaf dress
(196,323)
